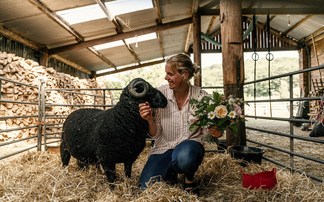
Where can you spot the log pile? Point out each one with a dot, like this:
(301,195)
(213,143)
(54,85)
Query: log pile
(28,72)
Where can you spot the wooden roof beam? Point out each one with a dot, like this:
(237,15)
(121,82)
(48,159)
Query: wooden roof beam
(211,24)
(189,34)
(132,67)
(297,24)
(318,35)
(8,33)
(132,51)
(102,57)
(67,27)
(119,29)
(72,64)
(275,33)
(272,17)
(110,16)
(121,36)
(194,10)
(57,19)
(272,11)
(211,4)
(159,21)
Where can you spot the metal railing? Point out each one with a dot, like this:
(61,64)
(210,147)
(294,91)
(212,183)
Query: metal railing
(49,138)
(291,119)
(35,137)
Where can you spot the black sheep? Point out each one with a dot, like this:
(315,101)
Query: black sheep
(117,135)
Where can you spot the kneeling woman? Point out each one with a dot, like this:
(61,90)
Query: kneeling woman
(176,149)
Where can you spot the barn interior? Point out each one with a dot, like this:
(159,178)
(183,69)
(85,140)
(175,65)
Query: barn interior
(89,39)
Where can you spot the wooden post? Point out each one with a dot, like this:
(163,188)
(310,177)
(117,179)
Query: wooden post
(233,61)
(197,46)
(305,77)
(93,75)
(43,57)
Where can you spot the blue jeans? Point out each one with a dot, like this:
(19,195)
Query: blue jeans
(184,159)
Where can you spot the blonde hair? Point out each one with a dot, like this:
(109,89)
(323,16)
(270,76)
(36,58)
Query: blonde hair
(181,63)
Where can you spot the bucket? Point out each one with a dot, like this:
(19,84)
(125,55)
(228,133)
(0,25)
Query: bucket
(263,180)
(249,154)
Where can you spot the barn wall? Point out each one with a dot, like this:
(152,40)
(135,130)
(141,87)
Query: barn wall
(307,58)
(13,47)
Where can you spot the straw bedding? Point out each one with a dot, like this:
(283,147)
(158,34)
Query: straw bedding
(39,177)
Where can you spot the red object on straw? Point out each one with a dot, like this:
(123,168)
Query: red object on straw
(263,180)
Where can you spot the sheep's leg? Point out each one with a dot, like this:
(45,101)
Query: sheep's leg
(82,165)
(65,154)
(110,171)
(128,169)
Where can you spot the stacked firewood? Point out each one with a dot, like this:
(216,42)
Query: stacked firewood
(28,72)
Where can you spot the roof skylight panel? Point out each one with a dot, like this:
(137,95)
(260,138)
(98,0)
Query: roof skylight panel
(127,6)
(94,12)
(82,14)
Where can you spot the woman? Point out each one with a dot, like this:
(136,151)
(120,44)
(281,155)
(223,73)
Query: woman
(176,149)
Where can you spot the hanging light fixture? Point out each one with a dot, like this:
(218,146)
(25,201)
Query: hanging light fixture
(288,16)
(136,44)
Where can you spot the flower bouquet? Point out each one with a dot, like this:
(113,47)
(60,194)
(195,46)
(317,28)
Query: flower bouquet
(216,110)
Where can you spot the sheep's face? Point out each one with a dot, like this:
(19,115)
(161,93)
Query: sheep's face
(142,91)
(156,98)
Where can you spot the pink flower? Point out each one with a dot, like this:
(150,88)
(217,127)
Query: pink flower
(192,118)
(230,96)
(237,109)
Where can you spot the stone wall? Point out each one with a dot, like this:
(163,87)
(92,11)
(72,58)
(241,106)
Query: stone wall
(28,72)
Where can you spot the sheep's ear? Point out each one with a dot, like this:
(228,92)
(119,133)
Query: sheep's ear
(132,88)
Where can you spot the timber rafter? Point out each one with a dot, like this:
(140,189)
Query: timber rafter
(66,26)
(120,36)
(159,22)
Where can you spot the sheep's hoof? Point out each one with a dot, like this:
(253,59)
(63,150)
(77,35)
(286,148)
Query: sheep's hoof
(112,186)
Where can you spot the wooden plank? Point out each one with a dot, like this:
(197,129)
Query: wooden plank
(121,36)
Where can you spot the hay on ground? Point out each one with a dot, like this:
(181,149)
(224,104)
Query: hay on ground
(39,176)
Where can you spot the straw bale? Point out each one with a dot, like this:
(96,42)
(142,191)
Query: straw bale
(39,176)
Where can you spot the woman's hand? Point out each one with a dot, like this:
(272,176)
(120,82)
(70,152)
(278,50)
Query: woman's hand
(145,111)
(215,133)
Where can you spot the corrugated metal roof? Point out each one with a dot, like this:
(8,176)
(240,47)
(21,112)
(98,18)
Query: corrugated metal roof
(35,20)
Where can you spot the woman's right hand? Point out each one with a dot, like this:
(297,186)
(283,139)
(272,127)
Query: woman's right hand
(215,133)
(145,111)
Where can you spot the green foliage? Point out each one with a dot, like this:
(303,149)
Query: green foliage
(278,87)
(213,76)
(154,75)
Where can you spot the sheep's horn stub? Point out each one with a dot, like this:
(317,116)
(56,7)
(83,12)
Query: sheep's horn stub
(138,89)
